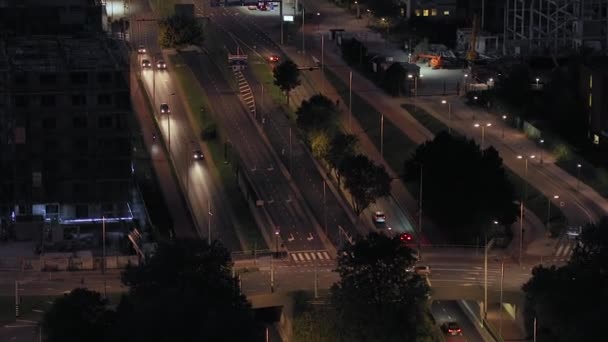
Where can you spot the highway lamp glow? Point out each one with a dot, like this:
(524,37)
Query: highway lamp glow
(541,141)
(521,204)
(483,131)
(578,175)
(504,118)
(548,224)
(537,80)
(449,115)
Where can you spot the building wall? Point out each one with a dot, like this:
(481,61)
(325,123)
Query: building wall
(594,88)
(69,141)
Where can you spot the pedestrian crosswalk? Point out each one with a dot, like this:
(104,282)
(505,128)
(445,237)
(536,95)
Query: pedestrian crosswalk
(564,250)
(310,257)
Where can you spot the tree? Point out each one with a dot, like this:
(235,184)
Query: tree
(365,180)
(178,31)
(319,143)
(81,315)
(567,301)
(287,77)
(317,113)
(185,292)
(513,88)
(342,146)
(464,188)
(377,298)
(382,8)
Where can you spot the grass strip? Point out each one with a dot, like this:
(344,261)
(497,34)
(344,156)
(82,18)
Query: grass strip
(427,120)
(397,146)
(197,100)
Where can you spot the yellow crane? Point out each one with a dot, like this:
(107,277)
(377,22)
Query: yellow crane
(471,52)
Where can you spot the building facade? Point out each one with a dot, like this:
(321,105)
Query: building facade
(594,88)
(65,150)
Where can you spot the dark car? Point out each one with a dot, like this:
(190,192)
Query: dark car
(146,64)
(406,238)
(161,65)
(198,155)
(164,108)
(141,49)
(451,328)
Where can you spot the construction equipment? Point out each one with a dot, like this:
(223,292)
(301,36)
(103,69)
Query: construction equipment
(434,61)
(472,51)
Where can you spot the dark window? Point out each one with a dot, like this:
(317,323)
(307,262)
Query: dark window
(48,78)
(104,99)
(79,121)
(48,100)
(20,79)
(80,166)
(79,77)
(80,145)
(79,100)
(50,166)
(20,101)
(49,123)
(105,121)
(50,146)
(104,77)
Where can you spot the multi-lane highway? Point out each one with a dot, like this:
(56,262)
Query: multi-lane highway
(281,132)
(199,186)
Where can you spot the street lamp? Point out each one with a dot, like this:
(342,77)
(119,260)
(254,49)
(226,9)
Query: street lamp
(541,141)
(466,78)
(483,131)
(549,211)
(537,79)
(449,115)
(358,10)
(578,175)
(521,204)
(504,122)
(276,241)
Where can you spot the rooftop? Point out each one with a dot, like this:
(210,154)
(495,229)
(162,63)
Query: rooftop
(53,53)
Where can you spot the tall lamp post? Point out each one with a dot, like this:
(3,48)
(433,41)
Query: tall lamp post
(541,141)
(504,122)
(521,205)
(449,114)
(555,197)
(483,131)
(276,242)
(578,175)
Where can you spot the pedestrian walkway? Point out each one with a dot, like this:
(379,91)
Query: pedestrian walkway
(310,257)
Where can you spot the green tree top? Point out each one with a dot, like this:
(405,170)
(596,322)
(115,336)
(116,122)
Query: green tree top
(317,113)
(178,31)
(377,298)
(365,180)
(287,76)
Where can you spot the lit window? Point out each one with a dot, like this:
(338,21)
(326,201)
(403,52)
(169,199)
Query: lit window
(417,12)
(596,139)
(425,13)
(434,12)
(590,100)
(446,12)
(590,81)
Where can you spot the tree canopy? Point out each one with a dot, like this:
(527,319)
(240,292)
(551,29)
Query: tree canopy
(342,145)
(185,292)
(287,76)
(567,301)
(81,315)
(317,113)
(365,180)
(464,188)
(179,31)
(377,298)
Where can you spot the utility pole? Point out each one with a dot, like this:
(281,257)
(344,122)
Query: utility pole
(16,298)
(502,277)
(103,229)
(322,63)
(420,212)
(485,276)
(303,40)
(316,281)
(324,207)
(350,100)
(382,135)
(209,214)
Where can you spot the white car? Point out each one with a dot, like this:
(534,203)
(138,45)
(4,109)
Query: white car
(379,217)
(574,232)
